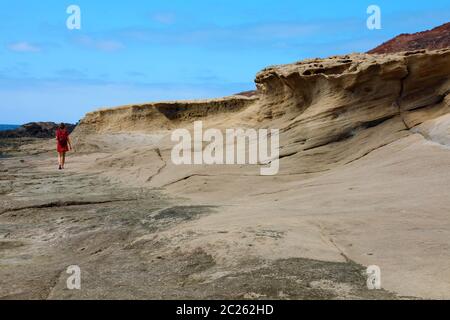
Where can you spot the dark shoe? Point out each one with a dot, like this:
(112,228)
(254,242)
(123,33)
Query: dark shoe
(60,168)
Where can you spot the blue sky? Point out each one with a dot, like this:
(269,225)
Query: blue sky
(138,51)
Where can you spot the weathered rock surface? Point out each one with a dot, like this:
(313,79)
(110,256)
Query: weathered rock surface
(160,115)
(344,107)
(330,111)
(363,180)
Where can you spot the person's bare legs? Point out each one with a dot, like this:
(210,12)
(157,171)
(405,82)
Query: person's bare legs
(63,159)
(60,160)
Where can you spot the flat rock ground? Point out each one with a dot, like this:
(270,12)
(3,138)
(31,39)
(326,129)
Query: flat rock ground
(228,237)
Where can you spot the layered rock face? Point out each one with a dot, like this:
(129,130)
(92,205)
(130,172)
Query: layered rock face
(343,107)
(159,116)
(329,111)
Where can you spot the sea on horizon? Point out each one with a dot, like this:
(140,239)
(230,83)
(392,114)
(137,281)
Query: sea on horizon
(4,127)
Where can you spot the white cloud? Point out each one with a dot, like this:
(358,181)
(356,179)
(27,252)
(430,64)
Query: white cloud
(164,17)
(23,47)
(238,36)
(100,44)
(109,45)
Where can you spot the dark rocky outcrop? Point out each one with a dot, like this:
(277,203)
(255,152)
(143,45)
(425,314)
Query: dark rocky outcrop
(34,130)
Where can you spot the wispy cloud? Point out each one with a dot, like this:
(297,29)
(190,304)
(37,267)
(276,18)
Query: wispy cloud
(105,45)
(164,17)
(23,46)
(71,73)
(136,74)
(217,36)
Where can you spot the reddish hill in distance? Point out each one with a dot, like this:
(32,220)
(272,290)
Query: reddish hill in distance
(436,38)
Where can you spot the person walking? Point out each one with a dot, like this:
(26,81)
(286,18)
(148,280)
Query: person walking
(63,144)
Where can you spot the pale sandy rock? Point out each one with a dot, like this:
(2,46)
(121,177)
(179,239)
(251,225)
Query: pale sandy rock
(364,180)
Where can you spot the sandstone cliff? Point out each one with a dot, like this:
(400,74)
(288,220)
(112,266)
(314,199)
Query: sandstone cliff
(363,181)
(343,107)
(160,115)
(330,111)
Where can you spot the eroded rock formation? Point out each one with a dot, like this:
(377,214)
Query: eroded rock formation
(330,111)
(346,106)
(363,180)
(160,115)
